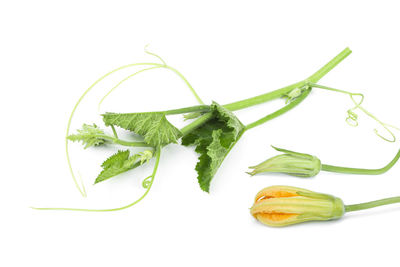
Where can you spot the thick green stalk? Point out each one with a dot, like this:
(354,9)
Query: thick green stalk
(195,124)
(331,168)
(280,92)
(262,98)
(272,95)
(329,66)
(372,204)
(198,108)
(279,112)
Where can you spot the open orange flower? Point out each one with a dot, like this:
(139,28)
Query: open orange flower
(286,205)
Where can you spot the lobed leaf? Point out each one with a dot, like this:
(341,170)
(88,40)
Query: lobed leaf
(213,141)
(153,126)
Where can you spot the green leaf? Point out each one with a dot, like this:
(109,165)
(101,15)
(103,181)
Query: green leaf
(89,135)
(122,162)
(213,141)
(153,126)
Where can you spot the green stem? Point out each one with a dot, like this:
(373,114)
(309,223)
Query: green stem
(372,204)
(279,112)
(123,207)
(134,144)
(262,98)
(331,168)
(272,95)
(329,66)
(280,92)
(198,108)
(123,142)
(114,131)
(195,124)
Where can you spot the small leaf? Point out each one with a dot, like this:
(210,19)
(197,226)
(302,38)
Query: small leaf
(116,159)
(153,126)
(89,135)
(121,162)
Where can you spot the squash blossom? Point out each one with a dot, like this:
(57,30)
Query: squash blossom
(305,165)
(286,205)
(292,163)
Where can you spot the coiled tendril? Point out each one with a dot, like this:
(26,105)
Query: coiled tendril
(146,182)
(352,116)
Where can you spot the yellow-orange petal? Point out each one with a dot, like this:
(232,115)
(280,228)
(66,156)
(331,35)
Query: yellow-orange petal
(287,205)
(276,219)
(277,191)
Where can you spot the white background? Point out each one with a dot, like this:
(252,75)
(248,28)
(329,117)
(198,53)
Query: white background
(51,51)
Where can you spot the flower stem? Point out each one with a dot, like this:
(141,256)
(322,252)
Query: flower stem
(372,204)
(331,168)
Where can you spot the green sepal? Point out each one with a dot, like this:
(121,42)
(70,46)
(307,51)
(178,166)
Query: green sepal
(301,155)
(315,195)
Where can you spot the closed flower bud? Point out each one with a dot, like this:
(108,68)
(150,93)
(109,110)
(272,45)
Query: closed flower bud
(286,205)
(292,163)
